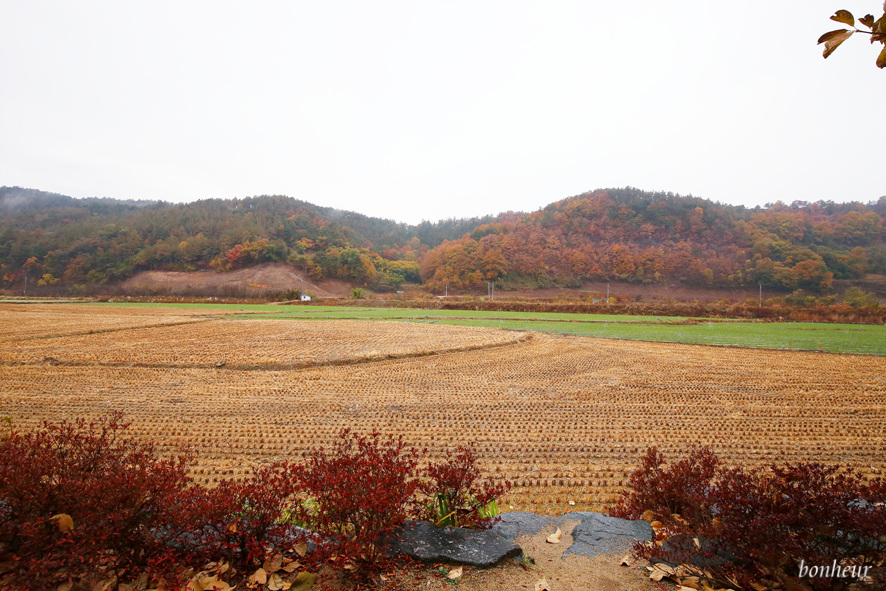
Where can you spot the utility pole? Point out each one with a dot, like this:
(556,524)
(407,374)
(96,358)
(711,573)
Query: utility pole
(761,295)
(607,293)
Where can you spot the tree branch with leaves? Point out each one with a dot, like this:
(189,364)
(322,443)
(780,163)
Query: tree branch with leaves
(876,29)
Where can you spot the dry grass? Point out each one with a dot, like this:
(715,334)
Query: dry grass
(22,322)
(563,417)
(255,344)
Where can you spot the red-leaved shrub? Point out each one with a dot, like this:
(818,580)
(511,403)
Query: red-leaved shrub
(456,496)
(682,488)
(759,525)
(241,522)
(79,499)
(81,502)
(358,492)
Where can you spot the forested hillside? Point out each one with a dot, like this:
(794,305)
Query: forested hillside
(635,236)
(618,234)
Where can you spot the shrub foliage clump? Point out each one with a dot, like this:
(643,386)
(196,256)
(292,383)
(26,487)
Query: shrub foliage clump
(82,502)
(456,496)
(358,492)
(758,526)
(77,498)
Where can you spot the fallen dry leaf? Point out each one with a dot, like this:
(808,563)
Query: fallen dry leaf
(554,538)
(303,581)
(275,582)
(259,577)
(455,573)
(212,583)
(65,523)
(274,563)
(542,585)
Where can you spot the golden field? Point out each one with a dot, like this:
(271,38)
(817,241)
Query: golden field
(565,418)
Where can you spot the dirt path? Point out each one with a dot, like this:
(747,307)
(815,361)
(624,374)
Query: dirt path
(548,569)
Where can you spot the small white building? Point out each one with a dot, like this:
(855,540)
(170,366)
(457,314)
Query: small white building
(305,297)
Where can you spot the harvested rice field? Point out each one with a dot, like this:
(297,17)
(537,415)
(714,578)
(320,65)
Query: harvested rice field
(248,344)
(23,322)
(564,417)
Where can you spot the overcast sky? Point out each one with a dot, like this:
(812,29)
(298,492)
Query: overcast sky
(433,109)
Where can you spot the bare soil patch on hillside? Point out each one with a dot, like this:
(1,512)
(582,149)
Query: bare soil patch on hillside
(252,281)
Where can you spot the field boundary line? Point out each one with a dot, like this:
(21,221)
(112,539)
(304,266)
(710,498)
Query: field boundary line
(294,366)
(723,345)
(199,320)
(688,322)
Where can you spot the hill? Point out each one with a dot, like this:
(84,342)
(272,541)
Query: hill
(623,235)
(640,237)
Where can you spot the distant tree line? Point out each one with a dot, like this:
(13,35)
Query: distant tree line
(616,234)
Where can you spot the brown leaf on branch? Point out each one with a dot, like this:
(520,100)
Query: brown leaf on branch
(845,17)
(833,39)
(878,30)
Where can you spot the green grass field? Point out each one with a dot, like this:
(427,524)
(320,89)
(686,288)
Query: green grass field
(830,338)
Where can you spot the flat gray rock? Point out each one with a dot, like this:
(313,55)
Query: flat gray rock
(602,534)
(595,534)
(428,543)
(513,524)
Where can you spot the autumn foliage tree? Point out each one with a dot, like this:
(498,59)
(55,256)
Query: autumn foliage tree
(632,236)
(876,28)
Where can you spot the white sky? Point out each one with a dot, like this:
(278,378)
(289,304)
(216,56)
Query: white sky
(418,110)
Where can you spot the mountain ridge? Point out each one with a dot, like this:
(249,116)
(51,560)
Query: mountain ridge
(608,234)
